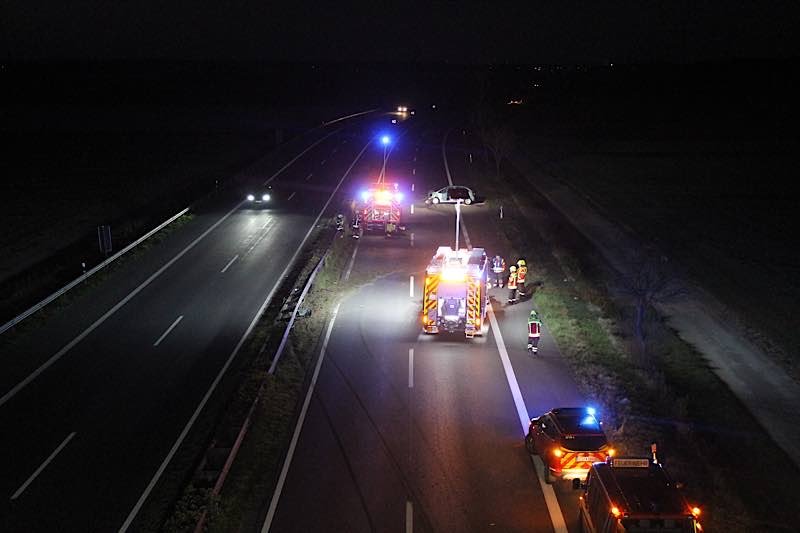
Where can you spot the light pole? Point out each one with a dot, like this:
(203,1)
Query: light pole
(458,219)
(385,140)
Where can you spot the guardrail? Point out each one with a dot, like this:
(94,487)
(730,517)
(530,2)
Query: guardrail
(246,424)
(19,318)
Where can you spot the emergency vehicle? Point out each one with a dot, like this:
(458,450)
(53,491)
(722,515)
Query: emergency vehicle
(378,208)
(569,440)
(455,296)
(634,495)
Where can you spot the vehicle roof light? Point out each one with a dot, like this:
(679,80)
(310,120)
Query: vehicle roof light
(615,511)
(696,511)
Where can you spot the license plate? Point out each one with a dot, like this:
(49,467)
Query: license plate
(585,459)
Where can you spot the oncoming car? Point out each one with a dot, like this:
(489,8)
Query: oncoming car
(454,194)
(569,440)
(261,197)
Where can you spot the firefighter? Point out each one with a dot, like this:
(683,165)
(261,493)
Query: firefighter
(522,272)
(512,285)
(498,268)
(534,331)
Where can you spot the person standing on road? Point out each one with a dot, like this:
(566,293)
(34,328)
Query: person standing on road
(512,285)
(498,268)
(522,272)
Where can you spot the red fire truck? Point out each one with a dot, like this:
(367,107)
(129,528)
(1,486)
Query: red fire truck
(378,209)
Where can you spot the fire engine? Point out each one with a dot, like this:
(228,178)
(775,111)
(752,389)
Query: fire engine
(454,295)
(378,208)
(632,495)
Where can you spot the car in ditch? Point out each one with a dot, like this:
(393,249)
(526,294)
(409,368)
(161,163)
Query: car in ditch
(454,194)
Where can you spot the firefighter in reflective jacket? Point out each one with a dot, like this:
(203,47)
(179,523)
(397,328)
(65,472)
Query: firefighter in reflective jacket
(534,331)
(498,268)
(512,285)
(522,271)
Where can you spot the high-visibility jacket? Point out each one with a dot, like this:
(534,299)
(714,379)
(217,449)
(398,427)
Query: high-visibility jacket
(512,280)
(534,325)
(521,273)
(498,265)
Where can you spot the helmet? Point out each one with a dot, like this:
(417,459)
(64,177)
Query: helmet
(513,268)
(521,262)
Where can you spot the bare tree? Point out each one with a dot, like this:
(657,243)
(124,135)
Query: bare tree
(648,282)
(500,140)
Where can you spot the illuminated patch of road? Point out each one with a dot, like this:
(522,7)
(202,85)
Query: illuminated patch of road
(524,419)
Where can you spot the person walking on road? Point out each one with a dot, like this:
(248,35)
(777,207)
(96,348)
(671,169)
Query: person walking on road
(498,268)
(512,285)
(534,331)
(522,272)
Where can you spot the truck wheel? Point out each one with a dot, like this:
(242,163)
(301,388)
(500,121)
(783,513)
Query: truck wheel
(548,477)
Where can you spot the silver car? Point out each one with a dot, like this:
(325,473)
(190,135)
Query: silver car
(454,194)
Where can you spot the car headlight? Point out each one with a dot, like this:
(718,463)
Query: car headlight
(265,198)
(250,197)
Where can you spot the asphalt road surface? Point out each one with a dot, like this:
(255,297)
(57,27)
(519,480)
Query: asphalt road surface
(414,432)
(94,401)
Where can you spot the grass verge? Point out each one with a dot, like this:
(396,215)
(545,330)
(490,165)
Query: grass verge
(709,440)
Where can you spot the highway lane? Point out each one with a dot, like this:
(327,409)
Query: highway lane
(83,438)
(428,439)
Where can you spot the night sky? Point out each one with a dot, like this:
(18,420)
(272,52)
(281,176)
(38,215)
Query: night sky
(475,32)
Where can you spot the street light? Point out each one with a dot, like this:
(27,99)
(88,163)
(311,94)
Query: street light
(385,140)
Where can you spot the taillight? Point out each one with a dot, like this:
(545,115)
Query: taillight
(557,452)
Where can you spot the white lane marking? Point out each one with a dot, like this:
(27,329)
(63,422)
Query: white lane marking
(162,337)
(309,176)
(352,261)
(415,159)
(409,517)
(411,286)
(335,149)
(323,162)
(413,173)
(273,504)
(246,334)
(412,209)
(470,158)
(412,185)
(235,257)
(412,240)
(24,383)
(411,368)
(524,419)
(291,195)
(42,466)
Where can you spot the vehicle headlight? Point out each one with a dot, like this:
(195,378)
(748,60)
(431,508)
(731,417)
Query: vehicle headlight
(265,198)
(250,197)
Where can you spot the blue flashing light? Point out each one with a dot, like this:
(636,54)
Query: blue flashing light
(398,197)
(591,411)
(589,420)
(385,140)
(365,195)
